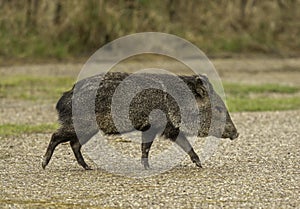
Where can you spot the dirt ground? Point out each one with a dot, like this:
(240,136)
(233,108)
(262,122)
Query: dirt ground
(260,169)
(243,70)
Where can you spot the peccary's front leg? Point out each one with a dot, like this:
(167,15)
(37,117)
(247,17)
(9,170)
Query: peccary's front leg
(76,146)
(147,140)
(182,142)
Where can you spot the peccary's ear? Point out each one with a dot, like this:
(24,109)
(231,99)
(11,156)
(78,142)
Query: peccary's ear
(200,86)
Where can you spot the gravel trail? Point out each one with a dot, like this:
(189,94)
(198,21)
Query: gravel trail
(259,169)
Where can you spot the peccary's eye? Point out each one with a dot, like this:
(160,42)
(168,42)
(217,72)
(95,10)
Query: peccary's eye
(218,108)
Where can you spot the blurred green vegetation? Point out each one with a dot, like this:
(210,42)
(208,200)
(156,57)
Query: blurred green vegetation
(71,28)
(237,104)
(34,88)
(18,129)
(263,97)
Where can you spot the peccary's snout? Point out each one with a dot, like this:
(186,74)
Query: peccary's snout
(230,130)
(236,135)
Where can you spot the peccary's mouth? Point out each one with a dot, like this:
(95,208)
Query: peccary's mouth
(236,135)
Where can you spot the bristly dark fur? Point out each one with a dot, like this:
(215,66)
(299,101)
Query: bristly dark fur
(141,106)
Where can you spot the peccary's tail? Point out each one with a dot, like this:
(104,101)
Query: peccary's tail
(64,107)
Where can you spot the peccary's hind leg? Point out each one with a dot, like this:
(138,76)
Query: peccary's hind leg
(62,136)
(56,139)
(182,142)
(76,146)
(147,140)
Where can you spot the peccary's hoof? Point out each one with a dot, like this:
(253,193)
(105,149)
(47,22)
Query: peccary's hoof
(197,161)
(88,168)
(198,164)
(44,164)
(145,163)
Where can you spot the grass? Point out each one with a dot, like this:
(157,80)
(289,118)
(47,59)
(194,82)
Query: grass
(243,97)
(34,88)
(17,129)
(263,104)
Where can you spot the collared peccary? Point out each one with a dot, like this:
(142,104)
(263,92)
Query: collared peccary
(212,113)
